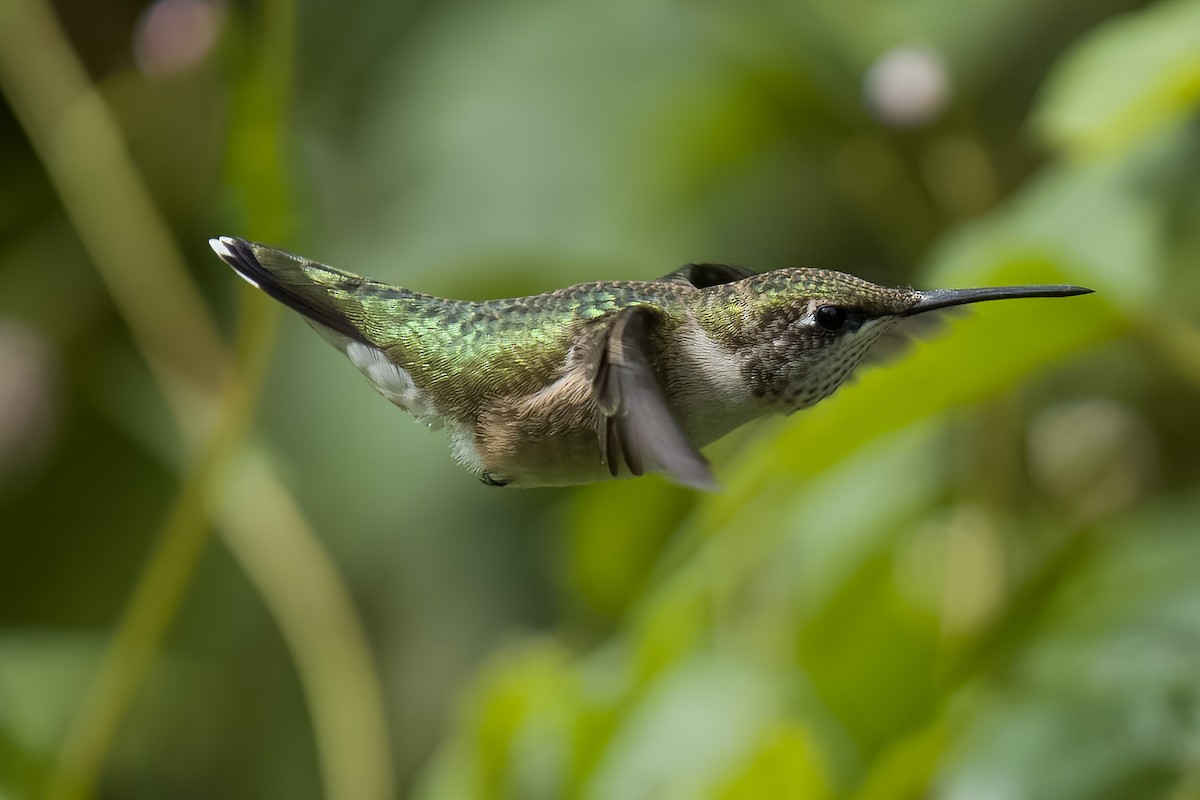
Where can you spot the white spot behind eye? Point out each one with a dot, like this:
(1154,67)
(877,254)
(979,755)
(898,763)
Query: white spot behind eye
(809,318)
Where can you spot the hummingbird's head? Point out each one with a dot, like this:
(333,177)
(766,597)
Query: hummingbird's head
(818,326)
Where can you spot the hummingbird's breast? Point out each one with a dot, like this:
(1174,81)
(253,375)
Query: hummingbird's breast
(706,385)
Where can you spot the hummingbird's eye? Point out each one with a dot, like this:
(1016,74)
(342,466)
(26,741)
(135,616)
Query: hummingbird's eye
(831,318)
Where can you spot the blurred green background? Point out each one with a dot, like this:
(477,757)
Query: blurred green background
(229,569)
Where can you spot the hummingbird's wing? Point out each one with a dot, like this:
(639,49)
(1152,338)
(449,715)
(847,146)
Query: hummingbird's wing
(636,425)
(703,276)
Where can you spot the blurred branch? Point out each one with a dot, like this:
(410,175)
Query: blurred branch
(132,247)
(82,149)
(270,538)
(151,608)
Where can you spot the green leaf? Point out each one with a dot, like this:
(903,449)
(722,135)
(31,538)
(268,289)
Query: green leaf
(689,729)
(516,736)
(1131,77)
(787,764)
(906,768)
(42,677)
(1083,225)
(616,534)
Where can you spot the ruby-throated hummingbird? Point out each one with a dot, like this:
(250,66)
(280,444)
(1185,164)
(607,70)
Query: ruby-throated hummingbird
(571,386)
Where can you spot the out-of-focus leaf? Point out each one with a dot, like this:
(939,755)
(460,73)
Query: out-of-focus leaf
(616,533)
(670,627)
(905,768)
(523,136)
(786,764)
(869,613)
(42,677)
(1132,76)
(691,727)
(1084,225)
(1103,701)
(799,549)
(517,738)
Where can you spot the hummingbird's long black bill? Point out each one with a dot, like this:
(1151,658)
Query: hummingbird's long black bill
(945,298)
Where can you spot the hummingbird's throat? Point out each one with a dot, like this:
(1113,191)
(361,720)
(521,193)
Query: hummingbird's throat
(833,364)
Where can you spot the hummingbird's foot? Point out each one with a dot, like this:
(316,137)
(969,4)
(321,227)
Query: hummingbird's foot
(488,479)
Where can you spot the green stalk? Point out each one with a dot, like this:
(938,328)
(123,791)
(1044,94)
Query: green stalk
(212,401)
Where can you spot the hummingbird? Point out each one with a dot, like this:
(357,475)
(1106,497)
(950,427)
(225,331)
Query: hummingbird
(601,379)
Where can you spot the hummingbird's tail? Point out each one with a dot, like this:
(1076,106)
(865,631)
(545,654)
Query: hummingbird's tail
(315,290)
